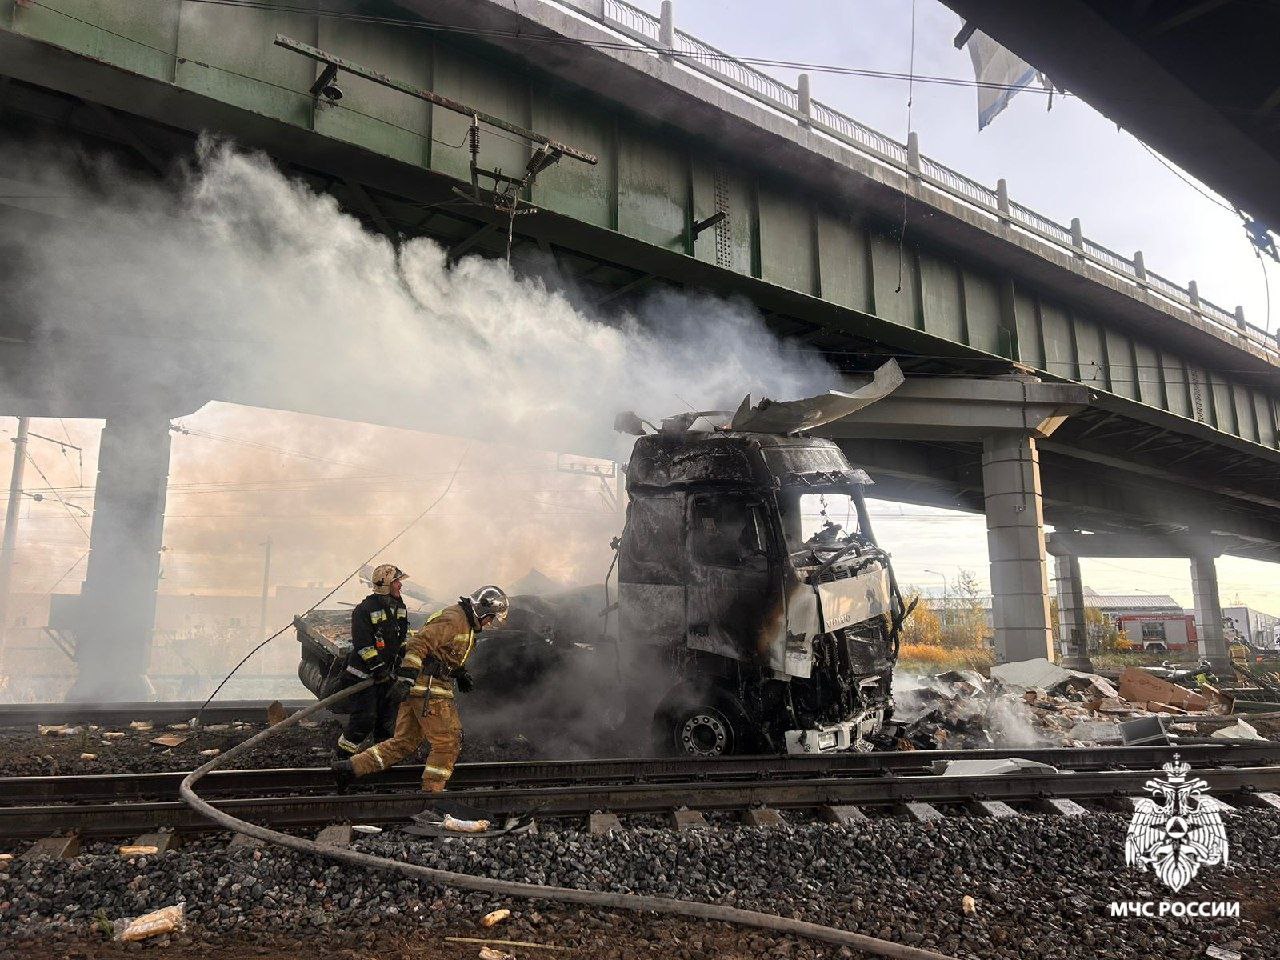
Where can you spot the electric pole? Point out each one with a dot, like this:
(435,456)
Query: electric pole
(11,527)
(266,581)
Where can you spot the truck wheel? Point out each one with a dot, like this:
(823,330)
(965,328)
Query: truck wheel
(706,726)
(704,732)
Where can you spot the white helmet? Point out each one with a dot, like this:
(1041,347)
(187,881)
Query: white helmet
(488,601)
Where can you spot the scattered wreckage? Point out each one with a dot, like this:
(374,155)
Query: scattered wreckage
(753,609)
(1038,703)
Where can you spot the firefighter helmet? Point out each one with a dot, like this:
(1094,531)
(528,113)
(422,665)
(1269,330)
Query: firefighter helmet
(488,601)
(383,575)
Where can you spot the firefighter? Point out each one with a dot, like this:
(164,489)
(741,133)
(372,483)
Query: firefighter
(434,659)
(379,625)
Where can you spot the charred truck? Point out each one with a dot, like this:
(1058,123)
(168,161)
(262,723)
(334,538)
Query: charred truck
(753,601)
(753,610)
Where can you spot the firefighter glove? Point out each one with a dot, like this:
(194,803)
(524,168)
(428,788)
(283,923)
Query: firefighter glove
(380,671)
(399,691)
(465,681)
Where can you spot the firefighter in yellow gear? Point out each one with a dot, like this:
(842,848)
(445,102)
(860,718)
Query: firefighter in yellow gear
(434,660)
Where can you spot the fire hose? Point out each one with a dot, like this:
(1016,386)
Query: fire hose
(532,891)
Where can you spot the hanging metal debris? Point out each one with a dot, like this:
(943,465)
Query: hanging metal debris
(506,193)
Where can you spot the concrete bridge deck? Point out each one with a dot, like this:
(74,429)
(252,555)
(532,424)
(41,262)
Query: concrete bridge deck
(1181,433)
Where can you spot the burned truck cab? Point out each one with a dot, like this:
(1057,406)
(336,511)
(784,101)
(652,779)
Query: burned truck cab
(755,611)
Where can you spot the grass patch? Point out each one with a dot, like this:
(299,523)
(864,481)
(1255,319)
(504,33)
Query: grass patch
(935,659)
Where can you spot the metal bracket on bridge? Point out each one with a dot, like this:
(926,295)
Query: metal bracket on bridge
(504,197)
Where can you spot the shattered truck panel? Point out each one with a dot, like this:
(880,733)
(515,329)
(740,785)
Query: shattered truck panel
(789,636)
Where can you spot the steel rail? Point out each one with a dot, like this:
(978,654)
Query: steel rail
(156,786)
(628,798)
(108,714)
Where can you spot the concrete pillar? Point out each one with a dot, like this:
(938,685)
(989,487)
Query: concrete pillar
(666,29)
(117,609)
(1204,590)
(804,99)
(1015,544)
(913,152)
(1002,198)
(1077,234)
(1193,293)
(1139,266)
(1073,637)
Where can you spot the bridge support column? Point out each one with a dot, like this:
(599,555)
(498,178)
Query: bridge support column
(117,608)
(1015,545)
(1073,637)
(1204,590)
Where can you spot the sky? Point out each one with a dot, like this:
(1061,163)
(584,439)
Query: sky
(228,495)
(1066,162)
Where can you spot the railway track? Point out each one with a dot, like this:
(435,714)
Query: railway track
(875,783)
(91,788)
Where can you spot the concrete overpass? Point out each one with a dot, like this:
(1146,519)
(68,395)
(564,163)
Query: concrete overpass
(711,176)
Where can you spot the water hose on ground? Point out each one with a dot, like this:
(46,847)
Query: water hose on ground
(532,891)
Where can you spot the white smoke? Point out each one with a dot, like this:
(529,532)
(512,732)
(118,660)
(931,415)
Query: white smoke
(243,285)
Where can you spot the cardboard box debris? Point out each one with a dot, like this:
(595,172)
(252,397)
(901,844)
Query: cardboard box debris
(170,740)
(137,850)
(276,713)
(497,916)
(1140,686)
(142,726)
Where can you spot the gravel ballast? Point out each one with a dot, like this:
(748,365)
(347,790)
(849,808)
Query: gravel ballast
(1041,885)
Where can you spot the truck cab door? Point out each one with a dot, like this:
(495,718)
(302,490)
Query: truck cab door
(734,597)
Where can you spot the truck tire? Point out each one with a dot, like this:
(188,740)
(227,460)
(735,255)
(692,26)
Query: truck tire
(707,724)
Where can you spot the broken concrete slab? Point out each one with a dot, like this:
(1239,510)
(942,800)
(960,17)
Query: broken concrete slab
(1039,673)
(1096,731)
(1240,730)
(989,768)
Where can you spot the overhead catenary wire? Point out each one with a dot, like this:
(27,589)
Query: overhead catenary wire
(508,888)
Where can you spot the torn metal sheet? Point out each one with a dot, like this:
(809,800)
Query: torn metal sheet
(793,416)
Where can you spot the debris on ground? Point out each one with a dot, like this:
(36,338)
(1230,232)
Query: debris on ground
(495,917)
(465,826)
(276,713)
(489,953)
(1038,703)
(1240,730)
(170,740)
(968,905)
(154,924)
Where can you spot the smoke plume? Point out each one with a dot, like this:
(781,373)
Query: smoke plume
(242,285)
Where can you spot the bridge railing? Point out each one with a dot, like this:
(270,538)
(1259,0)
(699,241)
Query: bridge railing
(683,48)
